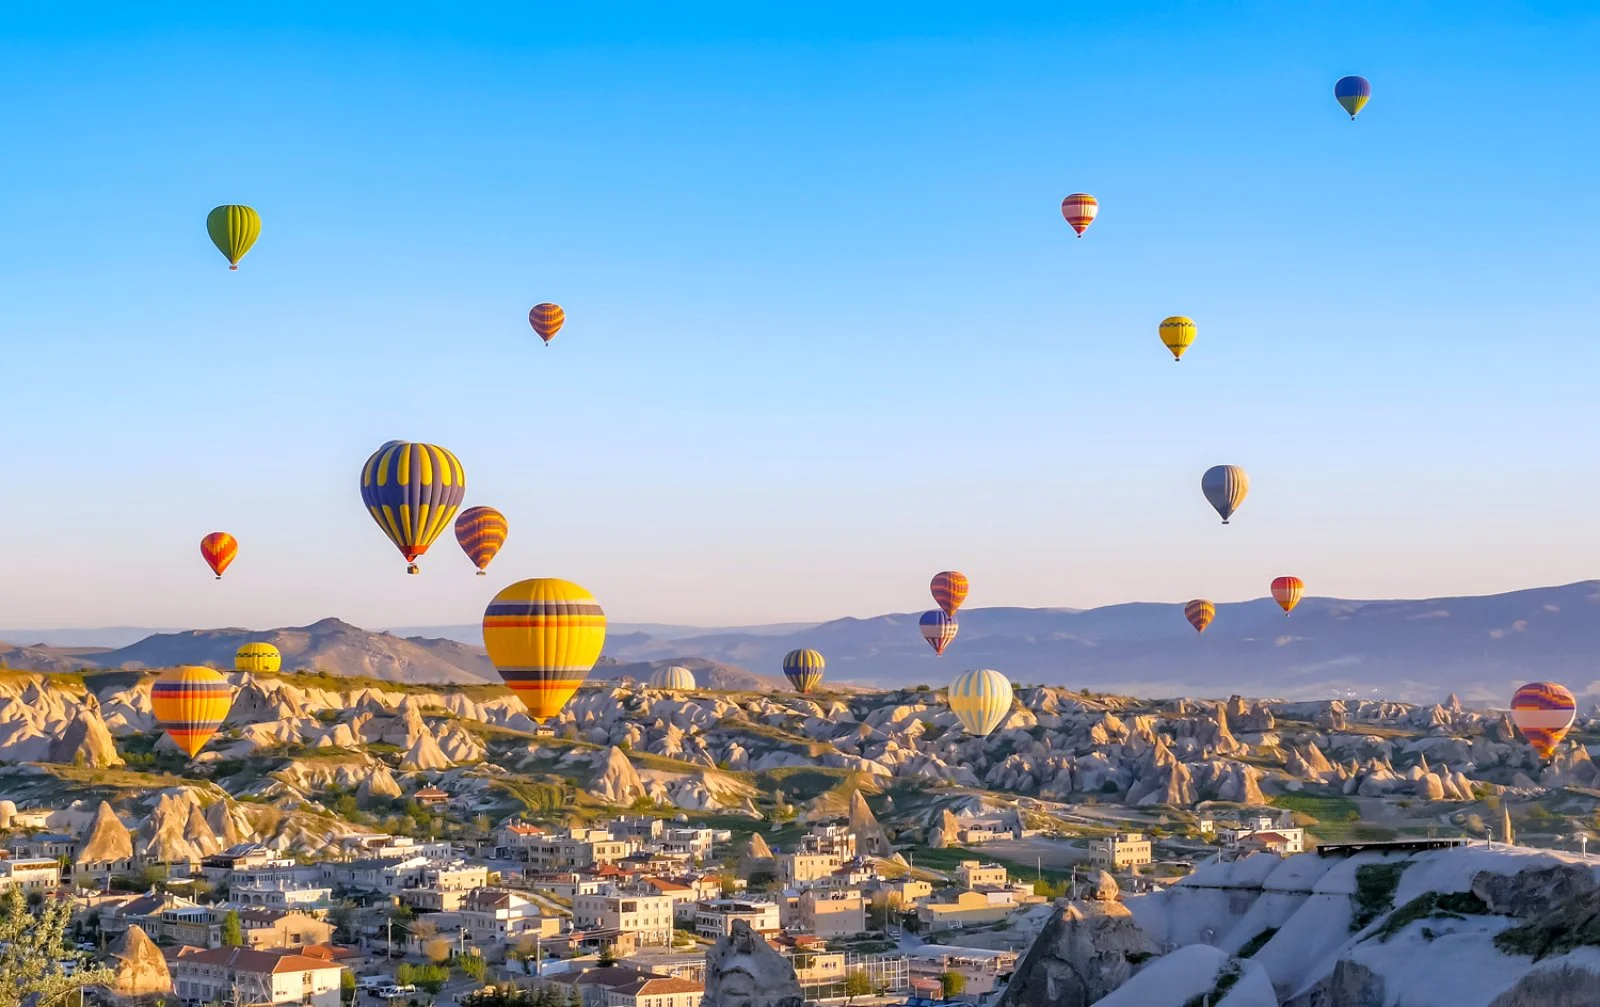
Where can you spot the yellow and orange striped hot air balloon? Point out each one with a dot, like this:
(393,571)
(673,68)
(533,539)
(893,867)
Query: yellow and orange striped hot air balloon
(481,531)
(949,590)
(1200,613)
(547,320)
(1543,712)
(219,548)
(1286,591)
(1080,209)
(190,704)
(543,636)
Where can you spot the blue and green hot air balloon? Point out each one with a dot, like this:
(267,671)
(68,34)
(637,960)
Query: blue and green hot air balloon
(1352,93)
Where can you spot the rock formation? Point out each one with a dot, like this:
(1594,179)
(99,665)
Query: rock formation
(743,970)
(618,782)
(138,964)
(871,840)
(1534,890)
(1089,949)
(108,839)
(85,741)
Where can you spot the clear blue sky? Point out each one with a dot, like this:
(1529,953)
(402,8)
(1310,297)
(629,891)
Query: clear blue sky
(827,332)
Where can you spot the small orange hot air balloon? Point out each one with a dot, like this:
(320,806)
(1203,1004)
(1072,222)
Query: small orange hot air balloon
(1543,712)
(219,548)
(1286,591)
(1079,209)
(547,320)
(949,590)
(1200,613)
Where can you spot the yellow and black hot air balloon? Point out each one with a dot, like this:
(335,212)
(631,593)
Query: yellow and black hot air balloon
(1200,613)
(233,229)
(980,700)
(412,491)
(190,704)
(543,635)
(257,658)
(803,668)
(1177,333)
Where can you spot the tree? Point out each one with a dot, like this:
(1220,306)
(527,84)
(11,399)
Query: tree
(436,950)
(575,997)
(952,983)
(856,984)
(472,966)
(232,932)
(347,985)
(32,947)
(405,974)
(608,957)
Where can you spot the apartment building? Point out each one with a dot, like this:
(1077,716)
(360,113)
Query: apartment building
(282,893)
(31,874)
(43,846)
(694,843)
(834,838)
(494,914)
(1125,849)
(982,968)
(828,915)
(713,918)
(247,976)
(649,916)
(975,874)
(965,908)
(800,870)
(578,850)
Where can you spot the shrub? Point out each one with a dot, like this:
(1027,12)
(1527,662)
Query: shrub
(1375,885)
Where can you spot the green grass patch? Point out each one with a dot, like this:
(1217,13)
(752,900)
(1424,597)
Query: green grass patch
(1257,942)
(1374,896)
(1573,924)
(1328,807)
(1431,905)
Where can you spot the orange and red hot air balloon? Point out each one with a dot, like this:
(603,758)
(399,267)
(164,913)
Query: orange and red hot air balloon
(1079,209)
(481,531)
(219,548)
(1543,712)
(949,590)
(1286,591)
(547,320)
(1200,613)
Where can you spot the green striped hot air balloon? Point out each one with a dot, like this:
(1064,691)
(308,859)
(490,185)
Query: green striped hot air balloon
(233,229)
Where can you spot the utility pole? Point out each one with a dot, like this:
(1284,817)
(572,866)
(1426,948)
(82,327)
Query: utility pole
(388,937)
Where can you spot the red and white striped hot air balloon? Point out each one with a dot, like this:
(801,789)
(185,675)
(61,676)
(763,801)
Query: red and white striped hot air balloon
(1079,209)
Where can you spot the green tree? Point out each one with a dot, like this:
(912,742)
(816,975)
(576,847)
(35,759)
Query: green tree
(472,966)
(607,957)
(405,974)
(856,984)
(952,983)
(32,947)
(575,997)
(347,985)
(232,931)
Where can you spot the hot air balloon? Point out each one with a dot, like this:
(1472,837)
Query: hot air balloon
(1225,487)
(257,658)
(1079,209)
(1286,591)
(219,548)
(1199,613)
(676,678)
(1352,93)
(803,669)
(481,532)
(412,491)
(543,635)
(190,704)
(1177,332)
(547,320)
(1543,711)
(233,229)
(980,700)
(949,590)
(938,629)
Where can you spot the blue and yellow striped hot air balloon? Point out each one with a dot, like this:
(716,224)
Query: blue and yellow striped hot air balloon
(190,704)
(1352,94)
(1225,487)
(481,531)
(412,491)
(803,668)
(257,658)
(543,635)
(980,700)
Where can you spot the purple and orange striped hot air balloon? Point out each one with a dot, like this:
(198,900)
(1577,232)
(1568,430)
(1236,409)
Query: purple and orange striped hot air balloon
(949,590)
(1543,712)
(190,703)
(219,548)
(481,532)
(1200,613)
(547,320)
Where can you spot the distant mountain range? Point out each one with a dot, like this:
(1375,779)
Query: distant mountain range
(1479,647)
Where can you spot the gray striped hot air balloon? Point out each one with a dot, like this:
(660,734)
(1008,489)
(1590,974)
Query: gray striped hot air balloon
(1225,487)
(675,678)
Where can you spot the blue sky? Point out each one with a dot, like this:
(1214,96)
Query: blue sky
(827,332)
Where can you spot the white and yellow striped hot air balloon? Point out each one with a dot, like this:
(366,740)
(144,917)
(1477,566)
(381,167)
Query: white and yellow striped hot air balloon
(675,678)
(980,700)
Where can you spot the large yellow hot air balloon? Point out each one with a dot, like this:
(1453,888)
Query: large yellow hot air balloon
(257,658)
(980,700)
(233,229)
(1177,333)
(543,635)
(190,704)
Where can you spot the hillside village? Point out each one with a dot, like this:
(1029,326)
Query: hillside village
(426,840)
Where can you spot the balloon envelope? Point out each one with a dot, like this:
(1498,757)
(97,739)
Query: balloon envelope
(257,658)
(803,668)
(980,700)
(547,320)
(190,704)
(481,531)
(1177,333)
(1286,591)
(219,548)
(1543,712)
(949,590)
(543,636)
(1079,209)
(938,629)
(675,678)
(1352,93)
(233,229)
(412,492)
(1200,613)
(1225,487)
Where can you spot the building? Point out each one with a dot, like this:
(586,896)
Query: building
(276,928)
(1293,837)
(800,870)
(146,911)
(431,797)
(907,890)
(280,893)
(695,843)
(973,874)
(834,838)
(832,915)
(965,908)
(982,968)
(713,918)
(1125,849)
(48,845)
(975,832)
(389,847)
(649,915)
(31,874)
(578,850)
(247,976)
(494,914)
(621,986)
(683,896)
(644,829)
